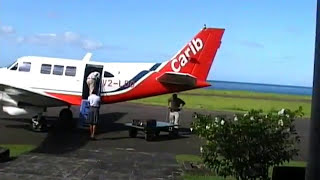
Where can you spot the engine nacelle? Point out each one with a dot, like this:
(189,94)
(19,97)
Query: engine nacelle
(5,99)
(16,111)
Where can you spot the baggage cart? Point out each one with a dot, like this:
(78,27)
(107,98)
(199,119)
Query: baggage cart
(151,128)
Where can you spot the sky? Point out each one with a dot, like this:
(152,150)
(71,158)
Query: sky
(265,41)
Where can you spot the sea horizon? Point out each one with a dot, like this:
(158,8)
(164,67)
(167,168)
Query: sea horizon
(240,82)
(260,87)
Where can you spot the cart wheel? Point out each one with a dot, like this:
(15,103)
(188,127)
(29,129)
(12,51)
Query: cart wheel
(171,135)
(148,136)
(133,132)
(174,133)
(157,133)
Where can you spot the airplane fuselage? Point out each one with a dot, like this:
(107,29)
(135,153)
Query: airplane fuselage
(53,76)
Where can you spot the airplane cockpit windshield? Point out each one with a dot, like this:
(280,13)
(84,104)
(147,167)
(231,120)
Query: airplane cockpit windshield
(13,66)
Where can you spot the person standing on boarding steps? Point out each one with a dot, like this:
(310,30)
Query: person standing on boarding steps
(92,80)
(94,102)
(175,105)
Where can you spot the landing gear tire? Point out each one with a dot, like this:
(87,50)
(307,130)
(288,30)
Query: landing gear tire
(133,132)
(157,133)
(66,119)
(148,136)
(38,124)
(173,133)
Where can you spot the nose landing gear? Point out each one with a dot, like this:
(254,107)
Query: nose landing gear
(38,123)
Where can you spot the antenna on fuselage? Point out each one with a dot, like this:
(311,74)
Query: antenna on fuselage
(204,26)
(87,57)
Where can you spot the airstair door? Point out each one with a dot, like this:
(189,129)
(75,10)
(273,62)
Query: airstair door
(84,108)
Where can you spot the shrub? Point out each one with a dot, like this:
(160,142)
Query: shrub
(245,146)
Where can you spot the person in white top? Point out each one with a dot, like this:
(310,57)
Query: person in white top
(92,80)
(94,102)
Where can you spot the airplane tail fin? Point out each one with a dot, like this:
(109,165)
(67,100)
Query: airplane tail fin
(197,56)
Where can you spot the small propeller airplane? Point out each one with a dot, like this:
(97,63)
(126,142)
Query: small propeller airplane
(32,84)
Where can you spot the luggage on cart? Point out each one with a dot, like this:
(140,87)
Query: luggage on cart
(151,128)
(144,123)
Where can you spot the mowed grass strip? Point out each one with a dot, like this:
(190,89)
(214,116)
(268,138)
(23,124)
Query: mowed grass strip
(18,149)
(231,104)
(247,94)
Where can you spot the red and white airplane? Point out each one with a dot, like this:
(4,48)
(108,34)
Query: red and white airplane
(32,84)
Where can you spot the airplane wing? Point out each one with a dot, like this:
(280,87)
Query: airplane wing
(181,79)
(27,97)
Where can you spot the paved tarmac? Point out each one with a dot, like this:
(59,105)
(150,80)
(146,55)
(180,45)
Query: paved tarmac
(64,154)
(97,164)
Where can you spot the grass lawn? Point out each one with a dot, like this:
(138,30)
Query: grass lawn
(237,101)
(246,94)
(196,159)
(18,149)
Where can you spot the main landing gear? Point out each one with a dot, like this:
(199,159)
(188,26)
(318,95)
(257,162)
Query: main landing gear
(39,123)
(66,118)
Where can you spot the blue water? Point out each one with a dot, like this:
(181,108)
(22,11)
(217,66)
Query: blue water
(264,88)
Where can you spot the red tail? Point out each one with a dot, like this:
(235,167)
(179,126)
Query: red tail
(197,56)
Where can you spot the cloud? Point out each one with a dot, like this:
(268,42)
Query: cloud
(69,38)
(282,59)
(52,15)
(20,39)
(5,29)
(55,39)
(87,44)
(251,44)
(286,57)
(91,45)
(39,39)
(292,30)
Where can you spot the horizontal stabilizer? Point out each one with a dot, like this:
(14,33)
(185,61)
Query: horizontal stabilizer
(178,79)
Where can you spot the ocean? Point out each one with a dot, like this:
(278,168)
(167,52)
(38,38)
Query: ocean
(264,88)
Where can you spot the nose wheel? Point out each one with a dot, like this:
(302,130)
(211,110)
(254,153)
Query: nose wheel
(38,123)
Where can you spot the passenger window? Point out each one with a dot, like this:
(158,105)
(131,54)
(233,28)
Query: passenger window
(45,69)
(107,74)
(71,71)
(58,70)
(15,67)
(25,67)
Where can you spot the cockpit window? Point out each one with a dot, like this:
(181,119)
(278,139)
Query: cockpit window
(25,67)
(11,65)
(14,67)
(107,74)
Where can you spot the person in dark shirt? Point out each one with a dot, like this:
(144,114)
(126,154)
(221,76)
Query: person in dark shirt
(175,105)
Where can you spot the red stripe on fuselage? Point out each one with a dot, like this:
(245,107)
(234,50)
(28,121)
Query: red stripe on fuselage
(69,98)
(149,87)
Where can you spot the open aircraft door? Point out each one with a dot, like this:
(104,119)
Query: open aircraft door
(84,108)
